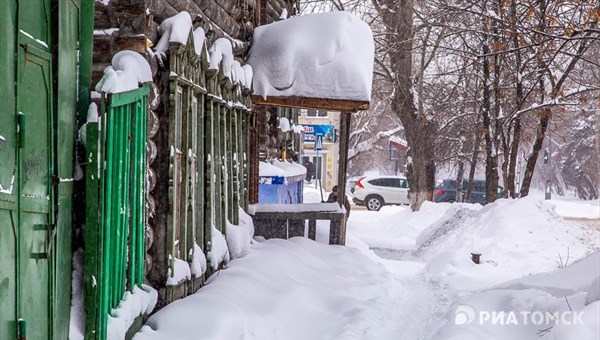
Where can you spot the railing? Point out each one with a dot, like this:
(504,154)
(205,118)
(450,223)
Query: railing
(289,220)
(115,209)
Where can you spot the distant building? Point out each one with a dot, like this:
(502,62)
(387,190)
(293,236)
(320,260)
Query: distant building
(325,161)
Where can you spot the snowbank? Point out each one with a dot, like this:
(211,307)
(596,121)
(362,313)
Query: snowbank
(180,272)
(325,55)
(577,209)
(218,249)
(551,306)
(198,265)
(518,237)
(395,227)
(239,237)
(141,301)
(287,289)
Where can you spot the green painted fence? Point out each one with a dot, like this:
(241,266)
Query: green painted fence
(115,209)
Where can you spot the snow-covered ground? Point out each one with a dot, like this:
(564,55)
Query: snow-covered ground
(406,275)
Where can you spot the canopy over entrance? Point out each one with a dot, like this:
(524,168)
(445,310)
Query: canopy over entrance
(318,61)
(321,61)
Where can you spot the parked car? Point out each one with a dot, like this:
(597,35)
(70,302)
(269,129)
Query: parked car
(446,191)
(376,191)
(351,183)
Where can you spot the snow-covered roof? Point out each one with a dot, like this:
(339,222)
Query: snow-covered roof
(128,69)
(325,55)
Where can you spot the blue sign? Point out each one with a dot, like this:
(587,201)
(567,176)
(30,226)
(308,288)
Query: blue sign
(318,141)
(311,130)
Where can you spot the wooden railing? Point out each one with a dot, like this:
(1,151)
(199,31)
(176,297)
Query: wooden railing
(290,220)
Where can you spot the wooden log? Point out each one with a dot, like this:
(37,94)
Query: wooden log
(313,103)
(135,43)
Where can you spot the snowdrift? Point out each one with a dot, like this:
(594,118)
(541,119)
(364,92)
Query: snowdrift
(396,227)
(558,305)
(287,289)
(517,237)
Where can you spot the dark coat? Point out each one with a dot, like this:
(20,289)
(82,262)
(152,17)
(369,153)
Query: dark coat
(333,198)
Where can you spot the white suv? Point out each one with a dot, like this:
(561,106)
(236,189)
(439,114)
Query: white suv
(377,191)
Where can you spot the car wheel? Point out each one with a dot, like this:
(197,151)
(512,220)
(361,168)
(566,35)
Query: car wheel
(373,203)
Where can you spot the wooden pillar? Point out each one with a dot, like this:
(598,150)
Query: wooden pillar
(209,173)
(340,232)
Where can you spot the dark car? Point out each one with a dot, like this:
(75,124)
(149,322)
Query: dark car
(446,191)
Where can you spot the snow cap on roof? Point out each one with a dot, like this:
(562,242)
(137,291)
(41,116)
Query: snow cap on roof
(325,55)
(128,70)
(199,39)
(221,52)
(174,29)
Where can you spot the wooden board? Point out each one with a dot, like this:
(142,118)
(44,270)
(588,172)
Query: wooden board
(313,103)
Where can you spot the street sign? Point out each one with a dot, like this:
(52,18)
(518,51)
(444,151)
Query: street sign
(318,142)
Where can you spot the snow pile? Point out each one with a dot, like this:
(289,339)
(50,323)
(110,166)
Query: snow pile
(92,117)
(577,209)
(395,227)
(246,222)
(287,289)
(517,237)
(198,265)
(174,29)
(238,240)
(325,55)
(140,301)
(199,40)
(239,237)
(221,53)
(177,28)
(291,169)
(552,306)
(218,249)
(561,282)
(128,70)
(266,170)
(181,272)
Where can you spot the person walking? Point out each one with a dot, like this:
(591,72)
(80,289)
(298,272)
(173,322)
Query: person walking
(310,171)
(333,197)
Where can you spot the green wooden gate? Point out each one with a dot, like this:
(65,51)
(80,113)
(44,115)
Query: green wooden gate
(116,197)
(38,91)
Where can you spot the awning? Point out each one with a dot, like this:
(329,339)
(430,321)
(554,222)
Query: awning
(321,61)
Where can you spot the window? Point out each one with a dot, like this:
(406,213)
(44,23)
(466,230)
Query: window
(386,182)
(316,113)
(403,183)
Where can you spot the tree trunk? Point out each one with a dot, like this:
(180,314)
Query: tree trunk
(537,146)
(473,168)
(512,165)
(419,130)
(459,181)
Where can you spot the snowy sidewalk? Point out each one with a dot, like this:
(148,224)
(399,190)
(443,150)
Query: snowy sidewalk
(301,289)
(296,289)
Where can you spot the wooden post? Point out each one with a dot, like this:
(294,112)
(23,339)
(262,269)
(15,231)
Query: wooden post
(340,231)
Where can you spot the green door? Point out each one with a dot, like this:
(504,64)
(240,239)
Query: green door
(35,175)
(8,165)
(34,114)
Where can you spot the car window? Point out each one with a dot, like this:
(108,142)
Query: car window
(385,182)
(403,183)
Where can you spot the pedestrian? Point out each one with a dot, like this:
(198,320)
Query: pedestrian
(333,196)
(310,171)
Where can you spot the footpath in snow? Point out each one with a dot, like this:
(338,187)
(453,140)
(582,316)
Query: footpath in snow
(406,275)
